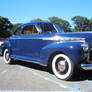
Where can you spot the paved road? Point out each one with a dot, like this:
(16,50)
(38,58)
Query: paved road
(22,76)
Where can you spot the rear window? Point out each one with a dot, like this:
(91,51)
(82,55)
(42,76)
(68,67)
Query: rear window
(47,28)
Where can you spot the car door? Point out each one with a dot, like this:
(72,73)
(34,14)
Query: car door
(14,40)
(30,43)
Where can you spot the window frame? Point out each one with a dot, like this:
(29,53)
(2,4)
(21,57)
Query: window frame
(30,25)
(17,30)
(48,32)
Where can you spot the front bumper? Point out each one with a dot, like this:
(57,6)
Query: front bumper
(86,66)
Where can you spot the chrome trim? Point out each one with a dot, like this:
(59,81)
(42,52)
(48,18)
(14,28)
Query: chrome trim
(62,65)
(86,66)
(89,55)
(30,61)
(56,38)
(31,25)
(55,27)
(85,47)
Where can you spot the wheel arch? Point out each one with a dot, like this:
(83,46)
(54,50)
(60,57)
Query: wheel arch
(52,55)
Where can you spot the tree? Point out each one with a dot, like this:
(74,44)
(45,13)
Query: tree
(65,25)
(38,19)
(14,26)
(90,24)
(80,23)
(5,26)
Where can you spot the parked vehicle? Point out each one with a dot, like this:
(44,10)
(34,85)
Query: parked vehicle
(46,44)
(2,40)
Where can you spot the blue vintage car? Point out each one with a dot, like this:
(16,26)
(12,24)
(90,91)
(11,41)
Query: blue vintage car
(46,44)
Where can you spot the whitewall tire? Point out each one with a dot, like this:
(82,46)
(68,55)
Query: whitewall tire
(62,67)
(6,57)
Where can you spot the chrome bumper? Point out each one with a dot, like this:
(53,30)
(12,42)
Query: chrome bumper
(86,66)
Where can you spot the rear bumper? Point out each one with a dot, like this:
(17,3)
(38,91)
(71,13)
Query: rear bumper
(86,66)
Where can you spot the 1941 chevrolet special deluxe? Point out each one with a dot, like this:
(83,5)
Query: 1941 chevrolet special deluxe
(46,44)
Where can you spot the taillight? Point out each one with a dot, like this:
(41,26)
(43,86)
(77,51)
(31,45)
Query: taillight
(3,40)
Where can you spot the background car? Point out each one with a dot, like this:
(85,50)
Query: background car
(2,40)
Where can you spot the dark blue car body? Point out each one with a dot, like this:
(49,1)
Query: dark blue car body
(40,47)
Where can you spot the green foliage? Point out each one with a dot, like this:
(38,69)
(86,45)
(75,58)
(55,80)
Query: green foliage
(5,26)
(13,27)
(65,25)
(90,24)
(38,19)
(80,23)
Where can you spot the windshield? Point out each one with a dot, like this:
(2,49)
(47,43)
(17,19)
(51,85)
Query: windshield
(47,28)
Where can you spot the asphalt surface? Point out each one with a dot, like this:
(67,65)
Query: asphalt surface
(22,76)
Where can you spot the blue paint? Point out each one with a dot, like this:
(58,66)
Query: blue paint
(33,47)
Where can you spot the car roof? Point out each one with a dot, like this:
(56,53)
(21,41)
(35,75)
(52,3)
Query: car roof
(34,22)
(40,22)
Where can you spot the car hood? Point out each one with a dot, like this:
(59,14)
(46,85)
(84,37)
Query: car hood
(85,35)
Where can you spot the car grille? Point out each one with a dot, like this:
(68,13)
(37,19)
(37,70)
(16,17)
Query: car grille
(90,56)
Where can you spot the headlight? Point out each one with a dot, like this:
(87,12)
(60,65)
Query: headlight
(85,47)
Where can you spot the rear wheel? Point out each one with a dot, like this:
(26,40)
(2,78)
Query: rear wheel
(6,57)
(62,67)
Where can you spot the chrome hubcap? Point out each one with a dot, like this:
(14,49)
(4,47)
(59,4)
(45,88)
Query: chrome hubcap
(62,65)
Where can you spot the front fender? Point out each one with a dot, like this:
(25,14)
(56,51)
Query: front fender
(72,49)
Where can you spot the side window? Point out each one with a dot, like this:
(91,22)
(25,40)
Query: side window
(47,28)
(17,31)
(29,29)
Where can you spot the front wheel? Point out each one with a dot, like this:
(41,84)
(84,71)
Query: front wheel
(6,57)
(62,67)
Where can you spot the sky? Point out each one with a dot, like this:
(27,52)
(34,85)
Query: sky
(22,11)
